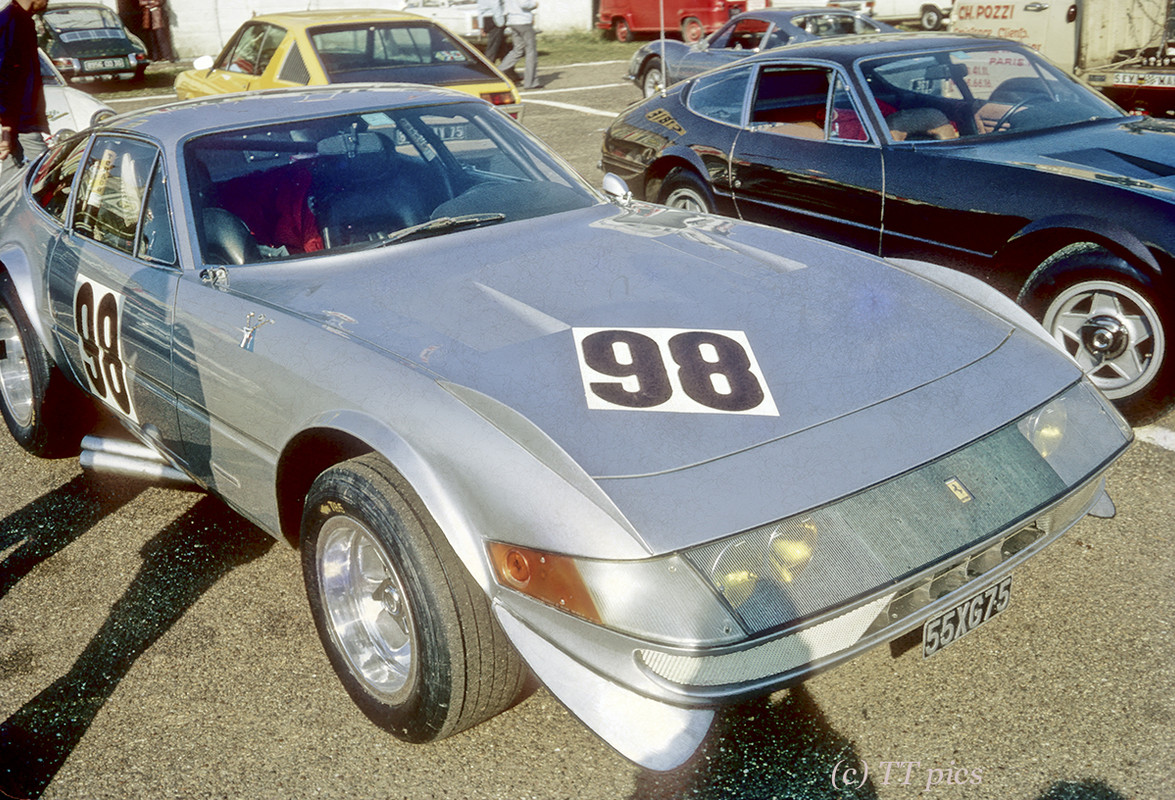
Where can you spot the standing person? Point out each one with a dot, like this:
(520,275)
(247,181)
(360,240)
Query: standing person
(157,28)
(493,25)
(520,21)
(23,124)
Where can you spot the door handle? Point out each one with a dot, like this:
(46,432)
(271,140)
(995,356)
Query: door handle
(1036,7)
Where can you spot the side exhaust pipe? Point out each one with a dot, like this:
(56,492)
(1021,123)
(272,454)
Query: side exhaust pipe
(130,459)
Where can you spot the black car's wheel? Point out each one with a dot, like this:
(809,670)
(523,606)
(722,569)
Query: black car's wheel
(406,628)
(620,30)
(692,30)
(652,78)
(45,414)
(930,19)
(1110,324)
(683,189)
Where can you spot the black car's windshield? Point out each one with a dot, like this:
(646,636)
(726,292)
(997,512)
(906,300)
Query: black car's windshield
(979,92)
(336,183)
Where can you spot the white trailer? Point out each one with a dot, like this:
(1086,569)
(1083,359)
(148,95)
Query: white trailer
(1125,48)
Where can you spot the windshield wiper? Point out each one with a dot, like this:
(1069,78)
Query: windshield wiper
(440,225)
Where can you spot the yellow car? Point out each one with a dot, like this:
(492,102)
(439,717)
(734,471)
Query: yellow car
(313,48)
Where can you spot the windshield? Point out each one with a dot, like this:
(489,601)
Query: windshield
(396,51)
(981,92)
(352,182)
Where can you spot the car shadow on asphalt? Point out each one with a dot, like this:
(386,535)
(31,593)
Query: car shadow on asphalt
(784,747)
(780,746)
(47,525)
(180,564)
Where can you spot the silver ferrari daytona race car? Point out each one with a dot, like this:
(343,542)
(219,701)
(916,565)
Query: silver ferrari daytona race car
(661,460)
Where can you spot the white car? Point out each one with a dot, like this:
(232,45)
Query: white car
(68,109)
(459,16)
(930,14)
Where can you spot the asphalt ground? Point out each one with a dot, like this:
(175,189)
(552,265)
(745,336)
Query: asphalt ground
(153,644)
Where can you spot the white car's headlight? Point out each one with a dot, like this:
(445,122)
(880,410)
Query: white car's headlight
(659,599)
(1070,432)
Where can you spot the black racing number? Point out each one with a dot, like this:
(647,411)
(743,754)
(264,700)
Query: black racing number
(628,354)
(97,327)
(83,320)
(715,371)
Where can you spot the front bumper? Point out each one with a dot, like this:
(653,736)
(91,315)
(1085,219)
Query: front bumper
(706,677)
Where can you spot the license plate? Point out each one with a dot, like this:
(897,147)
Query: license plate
(955,623)
(105,63)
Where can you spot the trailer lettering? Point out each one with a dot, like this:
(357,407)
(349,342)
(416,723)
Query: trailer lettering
(985,12)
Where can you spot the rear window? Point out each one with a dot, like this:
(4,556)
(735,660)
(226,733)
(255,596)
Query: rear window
(405,51)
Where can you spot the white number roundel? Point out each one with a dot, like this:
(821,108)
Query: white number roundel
(670,369)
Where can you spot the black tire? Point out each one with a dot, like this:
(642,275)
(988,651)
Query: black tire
(620,30)
(652,77)
(45,413)
(1114,326)
(394,582)
(692,30)
(931,18)
(685,190)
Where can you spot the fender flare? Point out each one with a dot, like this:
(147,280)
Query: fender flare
(673,156)
(1042,239)
(15,262)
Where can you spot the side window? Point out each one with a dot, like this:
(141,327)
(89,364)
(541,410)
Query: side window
(846,118)
(791,101)
(270,41)
(111,191)
(156,242)
(52,185)
(244,54)
(721,95)
(748,34)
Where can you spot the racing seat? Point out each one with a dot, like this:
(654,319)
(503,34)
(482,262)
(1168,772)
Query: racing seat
(920,124)
(366,190)
(226,239)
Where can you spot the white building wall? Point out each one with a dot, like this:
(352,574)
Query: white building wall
(201,27)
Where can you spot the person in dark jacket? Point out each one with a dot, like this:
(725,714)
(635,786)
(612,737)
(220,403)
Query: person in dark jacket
(23,124)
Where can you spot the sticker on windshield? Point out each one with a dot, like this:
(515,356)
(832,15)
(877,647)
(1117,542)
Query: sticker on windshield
(97,318)
(669,369)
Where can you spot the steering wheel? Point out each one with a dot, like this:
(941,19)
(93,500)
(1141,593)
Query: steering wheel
(1005,117)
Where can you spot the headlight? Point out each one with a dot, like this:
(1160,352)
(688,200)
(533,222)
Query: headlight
(1071,432)
(658,599)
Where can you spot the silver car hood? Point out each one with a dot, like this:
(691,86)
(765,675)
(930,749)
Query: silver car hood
(493,309)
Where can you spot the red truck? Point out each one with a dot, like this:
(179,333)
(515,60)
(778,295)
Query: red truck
(694,19)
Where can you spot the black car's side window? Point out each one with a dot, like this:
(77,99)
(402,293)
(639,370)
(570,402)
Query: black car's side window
(112,191)
(792,101)
(720,95)
(52,184)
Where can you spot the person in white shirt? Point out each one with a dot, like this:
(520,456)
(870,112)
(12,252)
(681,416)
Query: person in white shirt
(520,21)
(493,25)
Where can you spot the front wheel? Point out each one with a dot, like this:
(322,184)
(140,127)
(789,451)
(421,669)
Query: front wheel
(407,630)
(685,190)
(45,414)
(1114,329)
(653,78)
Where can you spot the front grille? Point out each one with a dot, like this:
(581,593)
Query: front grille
(881,618)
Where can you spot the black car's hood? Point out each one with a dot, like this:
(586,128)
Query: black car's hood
(1135,152)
